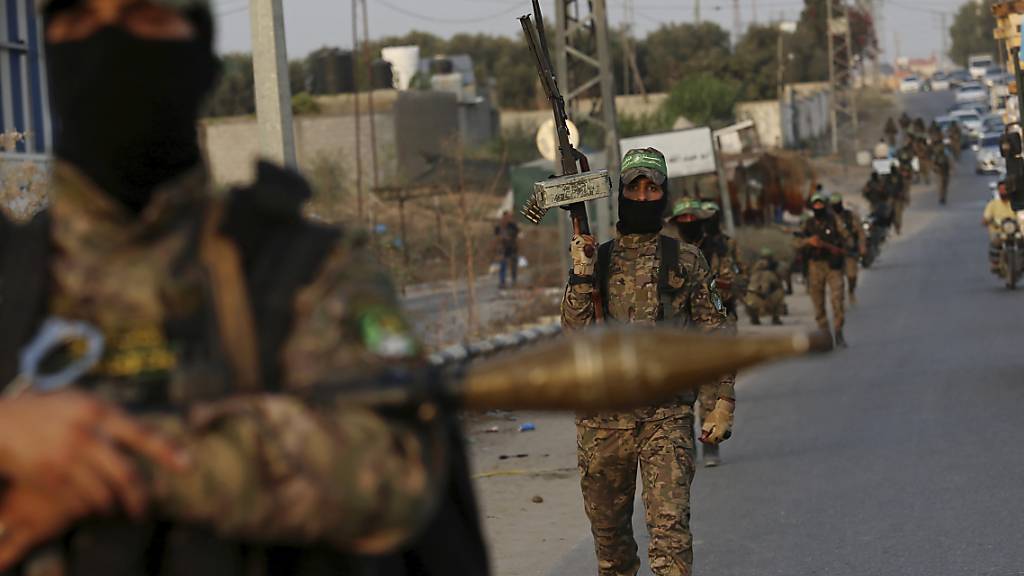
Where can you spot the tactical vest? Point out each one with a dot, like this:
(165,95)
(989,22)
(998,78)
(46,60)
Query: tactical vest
(280,252)
(829,232)
(668,256)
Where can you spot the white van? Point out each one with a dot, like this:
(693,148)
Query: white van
(978,64)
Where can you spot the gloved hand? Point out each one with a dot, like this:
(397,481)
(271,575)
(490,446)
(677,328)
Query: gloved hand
(584,255)
(717,426)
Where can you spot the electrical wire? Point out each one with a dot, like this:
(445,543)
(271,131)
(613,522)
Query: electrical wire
(437,20)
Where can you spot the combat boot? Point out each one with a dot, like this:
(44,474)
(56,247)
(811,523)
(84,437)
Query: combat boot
(776,321)
(840,341)
(755,320)
(711,457)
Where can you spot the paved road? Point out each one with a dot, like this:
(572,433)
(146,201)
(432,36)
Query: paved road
(899,456)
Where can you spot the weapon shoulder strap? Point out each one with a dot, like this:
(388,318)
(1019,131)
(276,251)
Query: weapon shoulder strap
(604,264)
(235,320)
(24,286)
(669,262)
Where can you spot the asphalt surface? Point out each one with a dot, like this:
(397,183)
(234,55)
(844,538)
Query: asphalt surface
(901,455)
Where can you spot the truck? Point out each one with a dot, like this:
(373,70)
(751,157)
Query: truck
(978,64)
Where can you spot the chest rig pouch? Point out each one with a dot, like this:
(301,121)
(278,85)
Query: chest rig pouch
(668,258)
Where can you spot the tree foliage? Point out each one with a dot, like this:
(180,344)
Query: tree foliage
(703,98)
(675,51)
(669,55)
(971,31)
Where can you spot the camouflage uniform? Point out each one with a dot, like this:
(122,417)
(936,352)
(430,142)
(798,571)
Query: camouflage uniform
(857,244)
(955,140)
(924,158)
(272,467)
(826,269)
(658,438)
(942,167)
(765,294)
(891,131)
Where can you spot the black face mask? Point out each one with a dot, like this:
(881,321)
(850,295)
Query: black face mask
(636,217)
(713,226)
(820,213)
(691,232)
(127,108)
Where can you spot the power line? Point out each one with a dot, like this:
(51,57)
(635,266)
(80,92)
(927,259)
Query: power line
(436,20)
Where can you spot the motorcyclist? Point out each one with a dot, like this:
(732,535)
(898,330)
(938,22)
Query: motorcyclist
(997,210)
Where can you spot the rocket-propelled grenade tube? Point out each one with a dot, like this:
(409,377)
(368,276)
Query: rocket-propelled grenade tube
(616,369)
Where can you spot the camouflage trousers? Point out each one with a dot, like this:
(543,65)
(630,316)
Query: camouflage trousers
(852,271)
(771,305)
(897,215)
(821,276)
(608,461)
(943,187)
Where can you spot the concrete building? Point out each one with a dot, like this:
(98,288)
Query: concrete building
(24,100)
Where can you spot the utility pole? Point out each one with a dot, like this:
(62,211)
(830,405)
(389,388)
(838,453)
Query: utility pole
(696,11)
(840,72)
(369,96)
(630,69)
(581,37)
(737,22)
(273,89)
(358,111)
(753,11)
(944,32)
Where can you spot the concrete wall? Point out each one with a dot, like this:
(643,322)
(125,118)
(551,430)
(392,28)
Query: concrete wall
(530,120)
(805,116)
(767,118)
(232,146)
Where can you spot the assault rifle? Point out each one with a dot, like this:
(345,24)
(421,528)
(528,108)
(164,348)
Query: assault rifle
(577,183)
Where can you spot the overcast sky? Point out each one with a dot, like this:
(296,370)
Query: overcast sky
(311,24)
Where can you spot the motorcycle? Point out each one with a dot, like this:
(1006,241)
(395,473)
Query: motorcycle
(1011,241)
(876,229)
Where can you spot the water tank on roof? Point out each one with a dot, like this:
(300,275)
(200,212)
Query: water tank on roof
(332,72)
(405,63)
(382,77)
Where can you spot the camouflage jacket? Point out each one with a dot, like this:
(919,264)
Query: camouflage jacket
(851,221)
(267,467)
(721,254)
(829,229)
(764,278)
(633,297)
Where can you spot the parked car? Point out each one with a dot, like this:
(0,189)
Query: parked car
(995,76)
(939,82)
(971,93)
(980,107)
(958,78)
(970,122)
(988,159)
(910,85)
(993,123)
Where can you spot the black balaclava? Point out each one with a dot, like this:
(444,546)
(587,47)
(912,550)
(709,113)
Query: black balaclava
(641,217)
(126,107)
(691,232)
(820,213)
(713,225)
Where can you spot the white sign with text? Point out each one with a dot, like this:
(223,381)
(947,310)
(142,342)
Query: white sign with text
(687,152)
